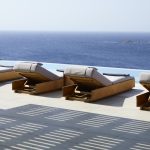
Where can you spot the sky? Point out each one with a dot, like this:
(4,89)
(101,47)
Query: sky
(75,15)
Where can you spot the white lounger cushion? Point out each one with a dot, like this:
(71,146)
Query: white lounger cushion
(5,69)
(91,72)
(29,67)
(118,79)
(145,78)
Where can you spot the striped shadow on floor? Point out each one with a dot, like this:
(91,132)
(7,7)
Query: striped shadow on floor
(37,127)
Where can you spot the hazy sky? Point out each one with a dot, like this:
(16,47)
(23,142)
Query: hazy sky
(75,15)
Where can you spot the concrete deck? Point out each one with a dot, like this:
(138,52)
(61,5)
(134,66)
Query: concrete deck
(121,105)
(48,121)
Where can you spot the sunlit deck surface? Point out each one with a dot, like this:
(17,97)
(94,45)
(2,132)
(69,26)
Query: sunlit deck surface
(48,121)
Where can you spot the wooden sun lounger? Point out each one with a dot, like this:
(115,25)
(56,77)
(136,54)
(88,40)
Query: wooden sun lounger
(87,84)
(143,100)
(7,74)
(36,79)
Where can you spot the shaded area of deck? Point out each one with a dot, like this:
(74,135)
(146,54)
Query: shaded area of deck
(43,127)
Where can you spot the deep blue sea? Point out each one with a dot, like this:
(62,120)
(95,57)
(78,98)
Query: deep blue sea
(123,50)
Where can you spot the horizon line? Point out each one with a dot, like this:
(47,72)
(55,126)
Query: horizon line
(66,31)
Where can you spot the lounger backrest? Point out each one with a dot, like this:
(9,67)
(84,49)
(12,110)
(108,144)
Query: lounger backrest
(145,80)
(34,71)
(86,76)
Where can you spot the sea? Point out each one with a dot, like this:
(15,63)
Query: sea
(121,50)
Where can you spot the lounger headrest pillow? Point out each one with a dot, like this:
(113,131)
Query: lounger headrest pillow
(145,78)
(80,71)
(26,66)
